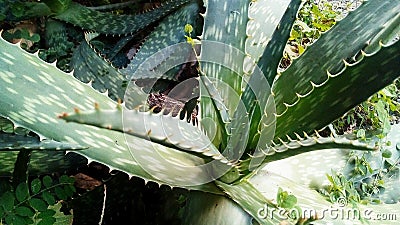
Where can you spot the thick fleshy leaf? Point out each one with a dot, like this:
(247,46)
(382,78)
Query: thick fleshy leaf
(212,125)
(287,149)
(108,23)
(159,128)
(13,142)
(313,173)
(268,34)
(54,92)
(15,138)
(205,208)
(168,33)
(9,127)
(305,113)
(56,37)
(230,33)
(266,50)
(252,201)
(42,162)
(89,66)
(321,81)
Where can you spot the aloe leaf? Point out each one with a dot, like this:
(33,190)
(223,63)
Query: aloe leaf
(12,142)
(9,127)
(16,138)
(56,40)
(313,173)
(251,200)
(42,162)
(239,131)
(108,23)
(230,31)
(273,53)
(275,30)
(89,66)
(268,34)
(205,208)
(301,90)
(58,6)
(359,75)
(387,35)
(118,47)
(52,91)
(113,6)
(161,41)
(287,149)
(216,115)
(159,128)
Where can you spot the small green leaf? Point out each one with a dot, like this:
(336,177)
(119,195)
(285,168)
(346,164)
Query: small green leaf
(24,211)
(7,201)
(38,204)
(285,200)
(15,220)
(9,219)
(386,153)
(60,216)
(66,179)
(49,198)
(61,193)
(47,213)
(361,133)
(47,181)
(22,192)
(47,221)
(69,190)
(36,185)
(35,38)
(289,202)
(28,220)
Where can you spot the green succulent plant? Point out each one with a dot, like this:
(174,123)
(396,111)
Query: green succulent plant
(254,154)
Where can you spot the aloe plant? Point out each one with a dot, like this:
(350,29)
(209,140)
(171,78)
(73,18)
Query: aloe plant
(252,117)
